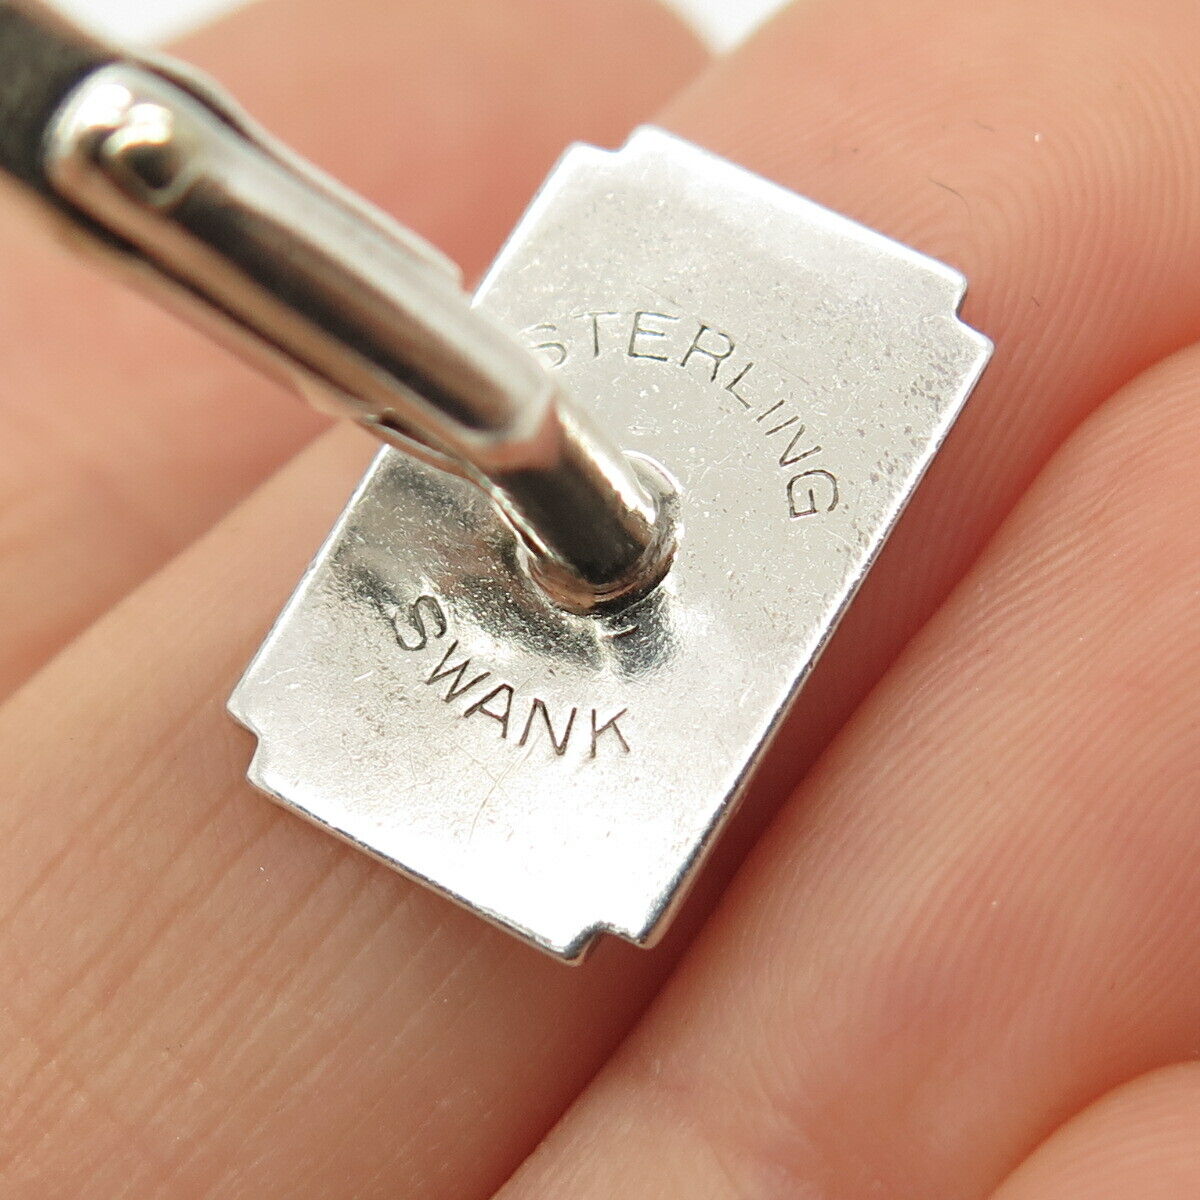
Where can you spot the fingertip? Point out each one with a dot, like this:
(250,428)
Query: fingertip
(1141,1141)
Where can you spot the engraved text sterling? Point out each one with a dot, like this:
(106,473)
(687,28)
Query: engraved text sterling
(761,388)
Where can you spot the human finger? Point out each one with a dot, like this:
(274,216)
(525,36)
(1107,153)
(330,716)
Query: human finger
(1140,1142)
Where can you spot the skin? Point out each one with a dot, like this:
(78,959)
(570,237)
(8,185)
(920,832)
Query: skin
(957,960)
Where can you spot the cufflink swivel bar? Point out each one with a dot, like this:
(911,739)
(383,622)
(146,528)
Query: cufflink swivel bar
(369,319)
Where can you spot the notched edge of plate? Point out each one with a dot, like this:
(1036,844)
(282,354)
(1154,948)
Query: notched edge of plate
(572,951)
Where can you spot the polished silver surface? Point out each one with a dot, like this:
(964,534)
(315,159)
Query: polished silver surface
(369,319)
(783,377)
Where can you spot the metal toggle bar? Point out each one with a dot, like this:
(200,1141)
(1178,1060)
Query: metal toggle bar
(366,317)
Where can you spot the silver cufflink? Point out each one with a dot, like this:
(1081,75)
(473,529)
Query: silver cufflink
(777,379)
(626,497)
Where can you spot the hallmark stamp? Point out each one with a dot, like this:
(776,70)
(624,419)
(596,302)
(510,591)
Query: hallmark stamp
(520,717)
(764,392)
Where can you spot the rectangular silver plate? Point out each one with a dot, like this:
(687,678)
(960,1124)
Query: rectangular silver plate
(793,373)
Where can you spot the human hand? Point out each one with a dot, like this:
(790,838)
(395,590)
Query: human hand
(961,961)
